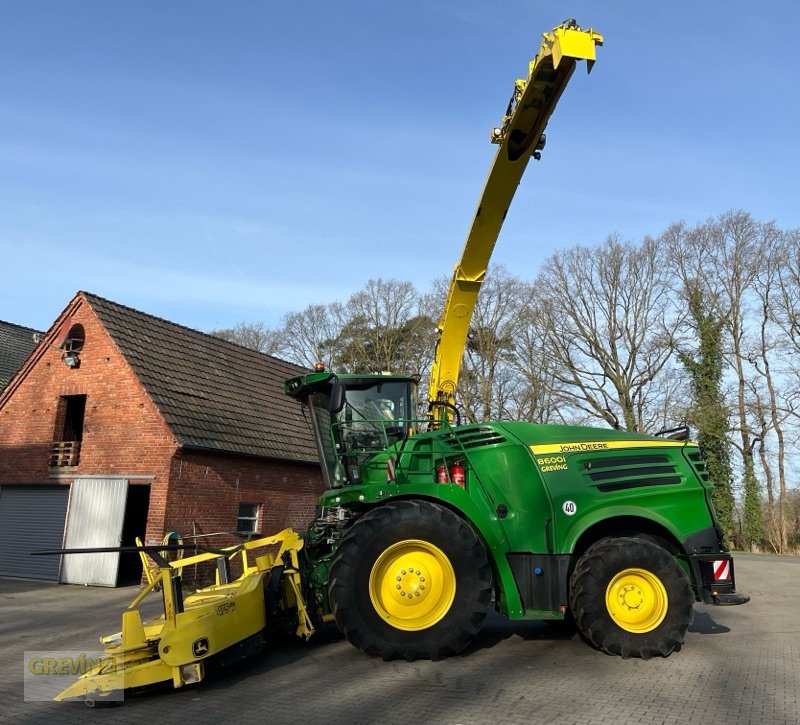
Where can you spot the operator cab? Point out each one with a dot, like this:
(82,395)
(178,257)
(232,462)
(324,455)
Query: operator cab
(355,417)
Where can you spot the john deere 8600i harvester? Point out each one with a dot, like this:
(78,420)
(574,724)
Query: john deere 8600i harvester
(426,523)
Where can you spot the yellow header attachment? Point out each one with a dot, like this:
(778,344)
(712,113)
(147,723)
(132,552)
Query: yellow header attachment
(520,136)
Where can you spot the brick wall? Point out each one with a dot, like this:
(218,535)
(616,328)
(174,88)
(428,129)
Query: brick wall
(123,433)
(206,488)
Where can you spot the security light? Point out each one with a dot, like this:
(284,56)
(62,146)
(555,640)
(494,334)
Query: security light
(71,359)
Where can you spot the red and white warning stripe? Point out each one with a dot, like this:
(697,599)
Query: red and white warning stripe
(722,569)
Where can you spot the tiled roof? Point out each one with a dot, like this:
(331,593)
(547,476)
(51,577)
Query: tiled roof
(16,344)
(213,394)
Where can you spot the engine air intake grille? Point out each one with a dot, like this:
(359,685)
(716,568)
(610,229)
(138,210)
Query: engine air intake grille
(699,465)
(618,474)
(474,438)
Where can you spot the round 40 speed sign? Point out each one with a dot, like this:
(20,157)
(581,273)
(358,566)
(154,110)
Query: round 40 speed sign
(569,508)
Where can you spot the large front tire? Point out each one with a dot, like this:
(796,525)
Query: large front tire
(410,580)
(630,598)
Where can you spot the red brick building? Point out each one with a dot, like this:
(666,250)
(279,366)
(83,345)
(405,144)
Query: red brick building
(121,424)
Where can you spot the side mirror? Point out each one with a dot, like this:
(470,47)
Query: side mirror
(337,398)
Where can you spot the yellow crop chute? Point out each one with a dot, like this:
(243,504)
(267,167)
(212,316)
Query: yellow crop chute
(520,136)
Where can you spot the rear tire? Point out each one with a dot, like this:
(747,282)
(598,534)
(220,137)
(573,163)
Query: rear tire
(631,598)
(410,580)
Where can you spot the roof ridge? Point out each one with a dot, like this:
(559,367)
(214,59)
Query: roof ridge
(91,295)
(22,327)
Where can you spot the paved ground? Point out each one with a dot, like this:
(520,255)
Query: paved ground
(739,665)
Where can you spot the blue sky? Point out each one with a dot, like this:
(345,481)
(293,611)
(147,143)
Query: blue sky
(222,162)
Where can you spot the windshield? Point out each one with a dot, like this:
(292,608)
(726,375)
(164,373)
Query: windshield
(374,415)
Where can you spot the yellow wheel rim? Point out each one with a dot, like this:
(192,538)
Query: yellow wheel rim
(637,600)
(412,585)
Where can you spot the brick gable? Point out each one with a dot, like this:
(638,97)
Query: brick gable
(123,432)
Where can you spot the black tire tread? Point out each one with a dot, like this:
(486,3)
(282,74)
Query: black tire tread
(359,622)
(587,598)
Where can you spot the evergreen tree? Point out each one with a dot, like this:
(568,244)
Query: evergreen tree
(708,413)
(752,528)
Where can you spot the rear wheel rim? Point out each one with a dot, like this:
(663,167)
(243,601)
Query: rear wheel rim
(412,585)
(637,600)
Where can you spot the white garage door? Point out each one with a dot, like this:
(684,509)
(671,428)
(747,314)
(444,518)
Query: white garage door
(31,518)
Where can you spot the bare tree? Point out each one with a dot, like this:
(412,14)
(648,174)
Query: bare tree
(311,336)
(786,315)
(385,329)
(255,335)
(774,277)
(737,241)
(610,329)
(537,395)
(488,382)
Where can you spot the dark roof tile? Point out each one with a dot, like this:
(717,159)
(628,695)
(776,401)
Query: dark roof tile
(213,394)
(16,344)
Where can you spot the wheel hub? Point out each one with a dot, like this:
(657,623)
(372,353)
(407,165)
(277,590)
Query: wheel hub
(411,582)
(631,597)
(412,585)
(637,600)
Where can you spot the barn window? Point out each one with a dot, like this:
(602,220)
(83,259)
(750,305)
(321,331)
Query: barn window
(68,434)
(247,520)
